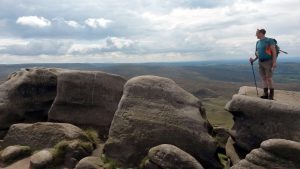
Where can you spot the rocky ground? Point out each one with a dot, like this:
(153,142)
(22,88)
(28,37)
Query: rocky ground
(62,119)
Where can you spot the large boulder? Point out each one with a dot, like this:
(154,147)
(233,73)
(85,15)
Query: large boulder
(256,119)
(153,111)
(42,135)
(27,96)
(168,156)
(87,99)
(273,153)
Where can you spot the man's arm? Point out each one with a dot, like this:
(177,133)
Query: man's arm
(253,60)
(274,56)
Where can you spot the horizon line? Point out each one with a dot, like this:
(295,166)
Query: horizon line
(187,61)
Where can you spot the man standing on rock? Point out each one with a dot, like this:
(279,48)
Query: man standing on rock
(266,54)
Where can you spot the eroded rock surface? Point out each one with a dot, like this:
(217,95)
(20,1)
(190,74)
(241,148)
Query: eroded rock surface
(42,135)
(153,111)
(27,96)
(87,99)
(273,153)
(168,156)
(256,119)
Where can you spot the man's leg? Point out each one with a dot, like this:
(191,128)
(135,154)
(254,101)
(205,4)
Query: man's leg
(270,85)
(269,74)
(263,76)
(265,84)
(269,82)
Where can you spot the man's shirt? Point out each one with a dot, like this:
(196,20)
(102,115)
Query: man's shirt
(261,48)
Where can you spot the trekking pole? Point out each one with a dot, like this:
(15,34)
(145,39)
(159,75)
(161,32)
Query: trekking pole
(283,51)
(254,78)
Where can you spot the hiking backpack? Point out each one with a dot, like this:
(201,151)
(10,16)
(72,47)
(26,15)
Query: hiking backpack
(268,49)
(277,48)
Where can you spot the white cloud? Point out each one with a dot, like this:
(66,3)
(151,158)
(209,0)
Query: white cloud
(34,47)
(111,57)
(106,45)
(163,30)
(84,48)
(9,42)
(119,43)
(96,23)
(34,21)
(73,24)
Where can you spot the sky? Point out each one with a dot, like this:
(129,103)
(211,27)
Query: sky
(114,31)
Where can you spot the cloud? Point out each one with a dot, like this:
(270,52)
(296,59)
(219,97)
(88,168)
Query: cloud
(109,44)
(96,23)
(34,47)
(118,43)
(113,57)
(163,30)
(73,24)
(33,21)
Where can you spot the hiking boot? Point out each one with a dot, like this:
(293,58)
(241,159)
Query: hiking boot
(265,96)
(271,95)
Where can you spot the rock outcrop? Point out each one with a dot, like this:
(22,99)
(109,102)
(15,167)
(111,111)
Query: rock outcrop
(273,153)
(87,99)
(27,96)
(168,156)
(256,119)
(84,98)
(42,135)
(153,111)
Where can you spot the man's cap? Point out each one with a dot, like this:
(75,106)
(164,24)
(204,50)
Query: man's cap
(263,31)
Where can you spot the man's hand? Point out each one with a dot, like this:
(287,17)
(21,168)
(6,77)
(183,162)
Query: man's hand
(251,60)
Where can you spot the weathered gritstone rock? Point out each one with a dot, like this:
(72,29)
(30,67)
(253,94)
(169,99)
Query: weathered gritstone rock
(90,163)
(1,146)
(42,135)
(221,135)
(153,111)
(20,164)
(256,120)
(27,96)
(231,151)
(13,153)
(41,159)
(168,156)
(87,99)
(150,165)
(272,154)
(75,151)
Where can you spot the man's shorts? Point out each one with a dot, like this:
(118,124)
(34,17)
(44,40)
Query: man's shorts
(265,68)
